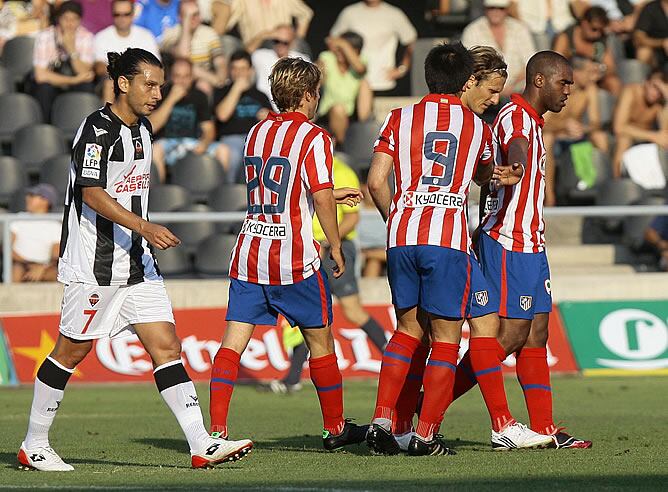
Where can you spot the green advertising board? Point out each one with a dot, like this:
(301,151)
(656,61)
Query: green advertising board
(614,337)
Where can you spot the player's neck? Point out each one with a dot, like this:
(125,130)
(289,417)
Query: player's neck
(534,102)
(121,109)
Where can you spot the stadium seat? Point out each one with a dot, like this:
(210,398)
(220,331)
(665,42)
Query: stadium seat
(199,174)
(70,109)
(24,111)
(192,233)
(167,198)
(618,192)
(632,71)
(17,57)
(634,227)
(359,143)
(35,144)
(56,172)
(17,202)
(12,178)
(229,198)
(173,262)
(6,81)
(606,107)
(213,255)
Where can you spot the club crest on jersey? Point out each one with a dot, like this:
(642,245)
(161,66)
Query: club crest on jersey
(93,299)
(482,298)
(525,302)
(139,148)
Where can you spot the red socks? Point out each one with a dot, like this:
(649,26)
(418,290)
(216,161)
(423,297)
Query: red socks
(407,402)
(464,377)
(395,366)
(223,376)
(328,383)
(533,374)
(484,360)
(439,377)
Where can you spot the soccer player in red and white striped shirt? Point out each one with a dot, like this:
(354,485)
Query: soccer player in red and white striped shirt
(512,244)
(275,266)
(436,147)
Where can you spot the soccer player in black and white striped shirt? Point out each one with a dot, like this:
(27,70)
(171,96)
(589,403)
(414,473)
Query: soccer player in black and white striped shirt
(112,282)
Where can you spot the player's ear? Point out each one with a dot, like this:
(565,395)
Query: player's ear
(539,80)
(469,83)
(123,84)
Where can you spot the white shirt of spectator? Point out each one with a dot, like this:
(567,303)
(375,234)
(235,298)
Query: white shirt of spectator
(108,39)
(382,28)
(35,239)
(534,13)
(263,61)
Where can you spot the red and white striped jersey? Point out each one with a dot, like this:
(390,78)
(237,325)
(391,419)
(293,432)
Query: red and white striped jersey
(436,145)
(287,159)
(515,213)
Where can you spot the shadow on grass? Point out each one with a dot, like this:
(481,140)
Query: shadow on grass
(11,463)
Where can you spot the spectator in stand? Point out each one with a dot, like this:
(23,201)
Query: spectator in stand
(622,13)
(199,42)
(238,106)
(545,18)
(566,128)
(651,33)
(157,15)
(118,37)
(8,24)
(63,57)
(509,36)
(182,122)
(216,13)
(283,44)
(383,27)
(96,14)
(346,94)
(258,19)
(588,39)
(641,115)
(656,236)
(35,243)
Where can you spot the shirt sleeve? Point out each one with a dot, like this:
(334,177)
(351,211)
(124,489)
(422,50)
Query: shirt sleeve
(387,138)
(342,24)
(90,156)
(515,124)
(405,30)
(317,166)
(41,52)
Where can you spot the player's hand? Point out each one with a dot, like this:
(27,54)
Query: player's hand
(159,236)
(508,175)
(336,254)
(348,196)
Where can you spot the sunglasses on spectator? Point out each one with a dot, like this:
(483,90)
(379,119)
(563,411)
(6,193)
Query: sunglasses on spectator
(122,14)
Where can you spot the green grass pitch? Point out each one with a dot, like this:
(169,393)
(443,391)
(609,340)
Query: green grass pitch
(124,438)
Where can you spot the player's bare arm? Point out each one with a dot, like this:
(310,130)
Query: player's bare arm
(379,187)
(325,207)
(100,201)
(348,196)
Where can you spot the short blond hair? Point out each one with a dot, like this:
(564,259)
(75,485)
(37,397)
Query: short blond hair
(291,79)
(487,61)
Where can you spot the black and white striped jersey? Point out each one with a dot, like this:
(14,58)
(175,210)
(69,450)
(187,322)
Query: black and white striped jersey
(93,250)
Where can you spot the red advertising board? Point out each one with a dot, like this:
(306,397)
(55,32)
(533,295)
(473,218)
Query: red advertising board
(31,338)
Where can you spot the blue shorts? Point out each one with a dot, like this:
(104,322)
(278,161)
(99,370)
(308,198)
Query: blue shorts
(442,281)
(307,304)
(519,282)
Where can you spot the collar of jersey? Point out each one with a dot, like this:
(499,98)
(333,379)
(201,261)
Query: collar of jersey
(442,98)
(114,116)
(524,104)
(291,115)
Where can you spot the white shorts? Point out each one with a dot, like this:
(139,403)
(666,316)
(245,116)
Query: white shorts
(89,312)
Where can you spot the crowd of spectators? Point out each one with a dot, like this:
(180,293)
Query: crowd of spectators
(218,55)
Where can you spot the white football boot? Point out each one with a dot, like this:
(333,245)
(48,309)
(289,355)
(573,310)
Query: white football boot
(403,440)
(219,450)
(43,459)
(518,436)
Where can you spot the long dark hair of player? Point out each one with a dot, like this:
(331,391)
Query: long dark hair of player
(126,64)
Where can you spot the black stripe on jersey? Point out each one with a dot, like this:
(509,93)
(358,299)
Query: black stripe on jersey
(136,250)
(65,230)
(104,250)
